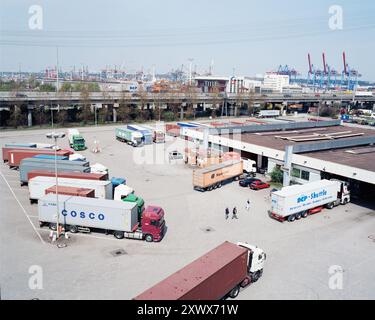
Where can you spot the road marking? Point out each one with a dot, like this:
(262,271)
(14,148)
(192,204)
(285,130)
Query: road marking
(23,209)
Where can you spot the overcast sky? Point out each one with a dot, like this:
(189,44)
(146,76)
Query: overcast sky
(247,36)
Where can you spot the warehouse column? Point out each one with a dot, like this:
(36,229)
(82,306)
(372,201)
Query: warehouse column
(29,117)
(287,165)
(206,133)
(259,161)
(114,108)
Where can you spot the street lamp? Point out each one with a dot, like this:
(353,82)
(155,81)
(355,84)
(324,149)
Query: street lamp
(55,136)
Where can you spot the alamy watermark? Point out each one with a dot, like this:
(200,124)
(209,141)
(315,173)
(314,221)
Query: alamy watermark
(336,20)
(36,17)
(36,278)
(336,279)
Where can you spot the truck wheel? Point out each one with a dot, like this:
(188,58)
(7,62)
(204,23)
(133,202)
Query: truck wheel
(219,185)
(291,218)
(298,215)
(73,229)
(119,234)
(255,277)
(304,214)
(52,226)
(234,292)
(149,238)
(330,205)
(346,201)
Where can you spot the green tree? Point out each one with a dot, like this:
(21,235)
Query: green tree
(277,175)
(47,87)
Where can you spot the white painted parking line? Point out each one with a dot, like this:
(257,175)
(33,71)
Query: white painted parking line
(23,209)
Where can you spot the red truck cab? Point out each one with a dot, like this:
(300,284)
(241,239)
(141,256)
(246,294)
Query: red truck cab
(153,223)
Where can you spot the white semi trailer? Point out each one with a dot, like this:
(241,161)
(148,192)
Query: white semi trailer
(38,185)
(298,201)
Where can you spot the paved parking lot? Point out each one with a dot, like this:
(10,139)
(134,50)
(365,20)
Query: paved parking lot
(299,254)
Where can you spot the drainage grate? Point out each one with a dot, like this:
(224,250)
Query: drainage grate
(207,229)
(118,252)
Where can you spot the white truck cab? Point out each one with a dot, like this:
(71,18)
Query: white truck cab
(256,260)
(122,191)
(249,166)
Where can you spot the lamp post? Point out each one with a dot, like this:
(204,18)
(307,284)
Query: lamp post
(55,136)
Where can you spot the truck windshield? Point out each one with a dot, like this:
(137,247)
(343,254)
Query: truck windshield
(157,223)
(80,141)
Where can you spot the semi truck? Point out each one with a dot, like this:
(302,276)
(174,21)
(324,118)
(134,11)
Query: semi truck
(78,214)
(218,274)
(71,191)
(76,140)
(134,138)
(15,156)
(32,164)
(249,166)
(38,185)
(147,137)
(216,175)
(298,201)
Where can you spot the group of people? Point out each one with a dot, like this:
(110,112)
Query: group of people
(234,211)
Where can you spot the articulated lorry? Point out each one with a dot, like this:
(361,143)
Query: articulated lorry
(38,186)
(20,146)
(147,136)
(78,214)
(76,140)
(298,201)
(218,274)
(31,164)
(216,175)
(134,138)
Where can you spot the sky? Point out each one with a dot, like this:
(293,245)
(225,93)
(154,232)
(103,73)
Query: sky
(244,37)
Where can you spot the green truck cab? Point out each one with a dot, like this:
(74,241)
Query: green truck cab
(78,143)
(76,140)
(140,203)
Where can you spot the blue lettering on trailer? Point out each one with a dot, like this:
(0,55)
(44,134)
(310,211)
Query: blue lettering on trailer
(83,215)
(313,195)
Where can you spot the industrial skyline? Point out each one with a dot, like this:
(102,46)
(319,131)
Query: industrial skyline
(244,37)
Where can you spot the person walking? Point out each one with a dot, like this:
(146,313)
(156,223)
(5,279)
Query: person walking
(226,213)
(248,204)
(234,213)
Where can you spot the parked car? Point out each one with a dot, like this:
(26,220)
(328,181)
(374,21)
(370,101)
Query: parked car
(257,185)
(175,155)
(247,181)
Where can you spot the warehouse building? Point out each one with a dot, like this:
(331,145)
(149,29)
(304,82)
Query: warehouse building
(305,151)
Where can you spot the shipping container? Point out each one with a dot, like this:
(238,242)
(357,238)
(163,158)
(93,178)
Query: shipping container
(15,156)
(67,174)
(30,164)
(6,149)
(172,130)
(50,156)
(38,185)
(216,275)
(72,191)
(214,176)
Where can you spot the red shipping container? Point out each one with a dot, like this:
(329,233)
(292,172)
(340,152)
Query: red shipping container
(67,174)
(72,191)
(6,150)
(15,156)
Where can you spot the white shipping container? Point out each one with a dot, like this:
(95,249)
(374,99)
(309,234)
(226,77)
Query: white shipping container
(299,198)
(90,213)
(38,185)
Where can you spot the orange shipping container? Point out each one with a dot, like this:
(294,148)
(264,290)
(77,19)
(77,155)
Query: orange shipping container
(72,191)
(214,176)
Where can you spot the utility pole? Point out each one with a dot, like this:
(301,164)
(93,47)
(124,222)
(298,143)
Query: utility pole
(57,69)
(190,69)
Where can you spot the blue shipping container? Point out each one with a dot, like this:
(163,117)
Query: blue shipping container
(20,145)
(117,181)
(48,156)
